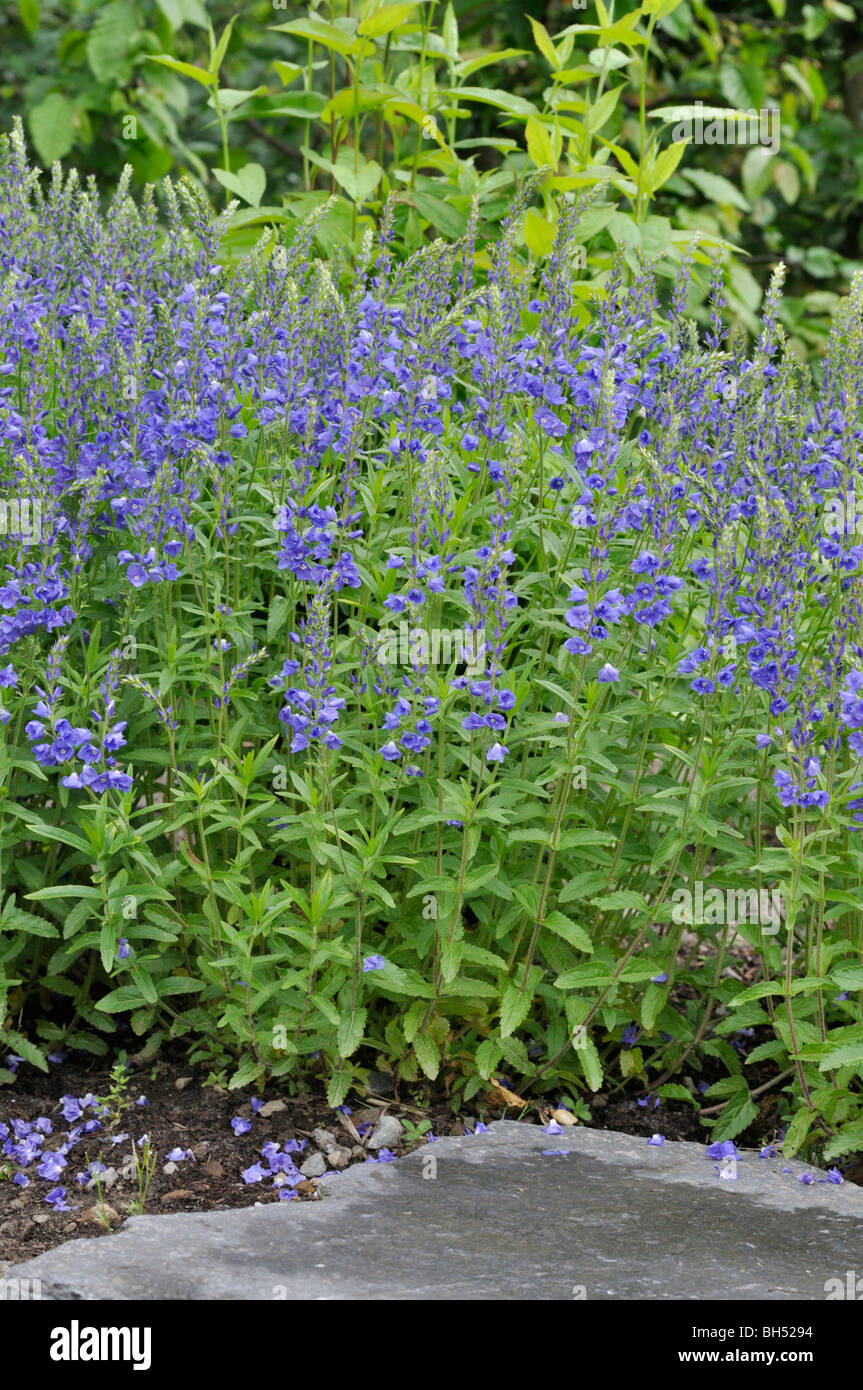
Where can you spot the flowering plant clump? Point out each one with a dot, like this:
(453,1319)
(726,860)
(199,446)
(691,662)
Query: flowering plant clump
(412,665)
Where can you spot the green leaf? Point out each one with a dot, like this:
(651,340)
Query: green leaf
(120,1000)
(623,230)
(590,1064)
(108,938)
(427,1054)
(180,12)
(588,976)
(384,20)
(248,183)
(601,111)
(185,69)
(539,234)
(570,931)
(29,13)
(761,990)
(743,85)
(797,1131)
(493,96)
(230,99)
(219,50)
(443,216)
(717,189)
(338,1085)
(277,616)
(109,39)
(665,165)
(287,72)
(848,1140)
(17,919)
(178,984)
(673,1091)
(52,126)
(328,35)
(450,29)
(25,1049)
(849,1055)
(351,1031)
(620,901)
(485,60)
(686,112)
(539,145)
(655,236)
(787,180)
(65,890)
(737,1115)
(515,1007)
(544,43)
(359,184)
(847,976)
(651,1005)
(488,1054)
(756,172)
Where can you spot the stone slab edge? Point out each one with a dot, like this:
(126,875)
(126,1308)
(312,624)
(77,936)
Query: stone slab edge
(760,1178)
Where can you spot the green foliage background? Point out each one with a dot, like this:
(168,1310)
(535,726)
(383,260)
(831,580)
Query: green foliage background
(78,70)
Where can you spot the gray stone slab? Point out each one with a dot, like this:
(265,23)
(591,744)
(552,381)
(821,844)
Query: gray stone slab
(612,1218)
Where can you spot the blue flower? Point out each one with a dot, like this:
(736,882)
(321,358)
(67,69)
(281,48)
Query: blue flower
(57,1199)
(725,1149)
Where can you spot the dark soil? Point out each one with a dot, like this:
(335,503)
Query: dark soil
(182,1113)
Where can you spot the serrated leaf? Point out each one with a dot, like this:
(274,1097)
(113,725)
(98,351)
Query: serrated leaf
(427,1054)
(849,1055)
(673,1091)
(737,1116)
(120,1000)
(25,1049)
(848,977)
(797,1131)
(623,900)
(338,1085)
(848,1140)
(570,931)
(515,1007)
(590,1063)
(351,1030)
